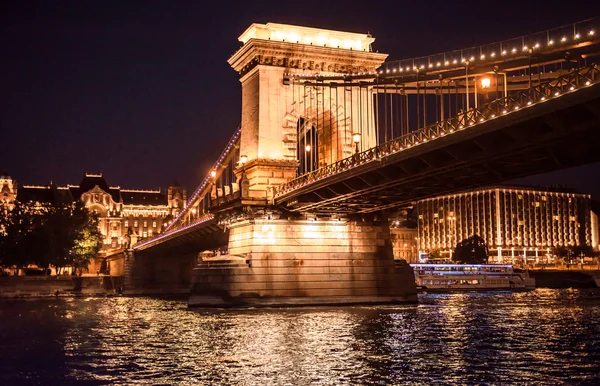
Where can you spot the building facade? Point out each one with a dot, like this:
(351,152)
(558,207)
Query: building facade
(121,211)
(517,223)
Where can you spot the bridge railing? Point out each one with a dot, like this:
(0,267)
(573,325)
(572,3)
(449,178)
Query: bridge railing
(557,38)
(207,183)
(563,84)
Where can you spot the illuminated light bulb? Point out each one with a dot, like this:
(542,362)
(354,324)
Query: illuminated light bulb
(564,39)
(504,111)
(452,130)
(387,71)
(587,83)
(551,42)
(460,127)
(308,147)
(407,68)
(537,45)
(454,61)
(422,66)
(591,33)
(432,135)
(571,88)
(482,57)
(400,69)
(394,70)
(480,119)
(439,64)
(516,107)
(556,93)
(528,103)
(525,48)
(446,63)
(514,50)
(493,54)
(543,98)
(576,36)
(504,52)
(493,115)
(430,65)
(472,58)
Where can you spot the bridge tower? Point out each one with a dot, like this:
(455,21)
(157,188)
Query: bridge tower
(288,129)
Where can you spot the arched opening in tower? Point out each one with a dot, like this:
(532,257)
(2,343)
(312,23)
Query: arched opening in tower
(307,149)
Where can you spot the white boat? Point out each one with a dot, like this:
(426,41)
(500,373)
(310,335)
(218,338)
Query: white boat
(464,277)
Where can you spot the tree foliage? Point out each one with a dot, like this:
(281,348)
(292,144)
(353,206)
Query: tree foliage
(58,235)
(571,253)
(473,250)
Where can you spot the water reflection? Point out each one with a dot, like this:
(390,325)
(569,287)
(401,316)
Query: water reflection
(537,337)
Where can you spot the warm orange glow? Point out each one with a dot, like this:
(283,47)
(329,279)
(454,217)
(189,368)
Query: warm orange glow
(356,137)
(213,174)
(243,159)
(307,147)
(485,82)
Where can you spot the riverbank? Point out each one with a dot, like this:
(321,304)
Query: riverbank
(12,287)
(564,279)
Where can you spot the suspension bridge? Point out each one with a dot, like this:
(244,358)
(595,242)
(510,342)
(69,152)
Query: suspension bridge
(334,138)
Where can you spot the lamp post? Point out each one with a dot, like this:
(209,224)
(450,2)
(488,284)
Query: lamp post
(485,84)
(356,140)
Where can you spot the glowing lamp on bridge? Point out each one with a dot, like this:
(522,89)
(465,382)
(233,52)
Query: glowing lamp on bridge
(308,148)
(213,174)
(356,140)
(243,159)
(485,82)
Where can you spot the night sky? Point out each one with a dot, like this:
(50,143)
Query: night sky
(141,90)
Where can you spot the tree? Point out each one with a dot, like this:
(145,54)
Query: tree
(471,251)
(88,240)
(59,235)
(21,235)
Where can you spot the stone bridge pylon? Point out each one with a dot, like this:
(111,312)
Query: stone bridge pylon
(290,128)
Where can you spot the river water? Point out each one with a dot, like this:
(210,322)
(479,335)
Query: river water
(544,337)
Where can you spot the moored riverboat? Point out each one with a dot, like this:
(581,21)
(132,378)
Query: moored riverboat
(469,277)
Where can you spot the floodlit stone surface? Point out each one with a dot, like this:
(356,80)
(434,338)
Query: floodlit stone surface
(291,262)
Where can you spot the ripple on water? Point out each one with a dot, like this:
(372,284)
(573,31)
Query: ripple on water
(536,337)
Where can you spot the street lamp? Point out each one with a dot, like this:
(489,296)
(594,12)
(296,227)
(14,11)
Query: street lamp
(485,84)
(307,148)
(356,140)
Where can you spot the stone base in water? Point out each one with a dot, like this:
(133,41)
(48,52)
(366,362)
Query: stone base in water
(295,263)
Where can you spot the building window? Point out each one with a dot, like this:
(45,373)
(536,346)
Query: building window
(145,224)
(126,224)
(153,224)
(135,224)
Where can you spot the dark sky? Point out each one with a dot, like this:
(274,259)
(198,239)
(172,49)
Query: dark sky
(141,90)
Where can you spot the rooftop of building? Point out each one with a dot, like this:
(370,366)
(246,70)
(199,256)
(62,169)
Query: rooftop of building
(517,188)
(51,193)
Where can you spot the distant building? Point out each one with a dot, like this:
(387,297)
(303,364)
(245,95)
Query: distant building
(8,192)
(404,242)
(145,212)
(517,223)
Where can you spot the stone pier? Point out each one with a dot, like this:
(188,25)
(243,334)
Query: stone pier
(299,262)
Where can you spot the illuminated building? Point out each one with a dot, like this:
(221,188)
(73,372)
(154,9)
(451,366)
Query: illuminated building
(517,223)
(143,212)
(8,192)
